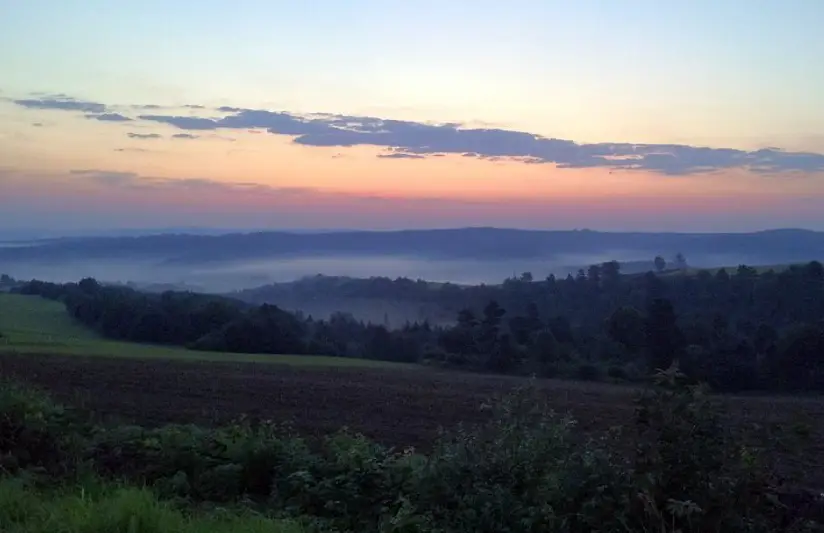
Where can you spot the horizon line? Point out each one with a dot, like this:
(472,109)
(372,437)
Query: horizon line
(203,231)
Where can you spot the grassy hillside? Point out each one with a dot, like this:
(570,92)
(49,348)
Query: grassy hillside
(33,325)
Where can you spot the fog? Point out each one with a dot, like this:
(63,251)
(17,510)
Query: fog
(234,275)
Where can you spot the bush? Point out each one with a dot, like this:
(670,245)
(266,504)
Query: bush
(220,465)
(690,472)
(526,469)
(35,432)
(351,483)
(618,373)
(588,372)
(523,471)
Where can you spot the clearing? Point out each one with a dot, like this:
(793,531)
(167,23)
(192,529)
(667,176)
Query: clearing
(33,325)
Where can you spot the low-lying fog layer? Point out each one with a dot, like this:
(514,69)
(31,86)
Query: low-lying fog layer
(231,275)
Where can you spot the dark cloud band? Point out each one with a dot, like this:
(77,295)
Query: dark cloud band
(416,140)
(109,117)
(144,135)
(62,103)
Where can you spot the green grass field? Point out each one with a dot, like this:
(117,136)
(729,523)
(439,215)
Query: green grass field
(33,325)
(95,508)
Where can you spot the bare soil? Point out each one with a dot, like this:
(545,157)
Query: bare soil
(397,408)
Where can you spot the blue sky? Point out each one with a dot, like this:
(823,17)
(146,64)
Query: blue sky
(469,60)
(723,74)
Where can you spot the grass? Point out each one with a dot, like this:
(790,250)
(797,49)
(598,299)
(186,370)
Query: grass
(33,325)
(98,508)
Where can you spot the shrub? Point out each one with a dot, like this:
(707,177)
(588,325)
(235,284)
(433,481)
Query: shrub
(690,472)
(218,465)
(588,372)
(525,469)
(618,373)
(352,483)
(35,432)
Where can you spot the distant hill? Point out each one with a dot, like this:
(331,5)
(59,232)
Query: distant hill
(764,247)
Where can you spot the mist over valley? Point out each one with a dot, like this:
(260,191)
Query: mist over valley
(243,265)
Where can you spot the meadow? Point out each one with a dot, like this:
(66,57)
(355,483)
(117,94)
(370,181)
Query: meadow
(33,325)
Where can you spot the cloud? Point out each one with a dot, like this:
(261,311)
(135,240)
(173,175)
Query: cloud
(106,177)
(133,180)
(138,150)
(37,124)
(400,155)
(415,140)
(61,102)
(144,135)
(110,117)
(184,136)
(184,123)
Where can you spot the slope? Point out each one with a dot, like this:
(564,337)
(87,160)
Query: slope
(32,325)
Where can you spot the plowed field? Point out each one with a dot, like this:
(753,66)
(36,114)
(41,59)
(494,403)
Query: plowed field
(393,407)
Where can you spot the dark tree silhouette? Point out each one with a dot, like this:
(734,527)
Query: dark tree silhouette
(664,340)
(743,331)
(660,263)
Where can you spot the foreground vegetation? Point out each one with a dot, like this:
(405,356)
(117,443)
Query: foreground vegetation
(526,469)
(95,506)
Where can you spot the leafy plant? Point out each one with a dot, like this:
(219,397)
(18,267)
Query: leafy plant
(34,431)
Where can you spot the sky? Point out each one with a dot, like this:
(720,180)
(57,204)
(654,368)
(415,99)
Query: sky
(701,115)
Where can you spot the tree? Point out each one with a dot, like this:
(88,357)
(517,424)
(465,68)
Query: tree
(664,340)
(379,343)
(491,324)
(594,274)
(611,272)
(544,349)
(462,339)
(466,319)
(504,356)
(89,285)
(523,328)
(561,329)
(814,270)
(493,313)
(626,326)
(765,338)
(800,362)
(680,261)
(660,263)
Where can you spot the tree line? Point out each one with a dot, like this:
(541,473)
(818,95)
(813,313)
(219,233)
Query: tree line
(739,330)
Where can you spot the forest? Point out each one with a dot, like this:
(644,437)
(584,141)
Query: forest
(736,330)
